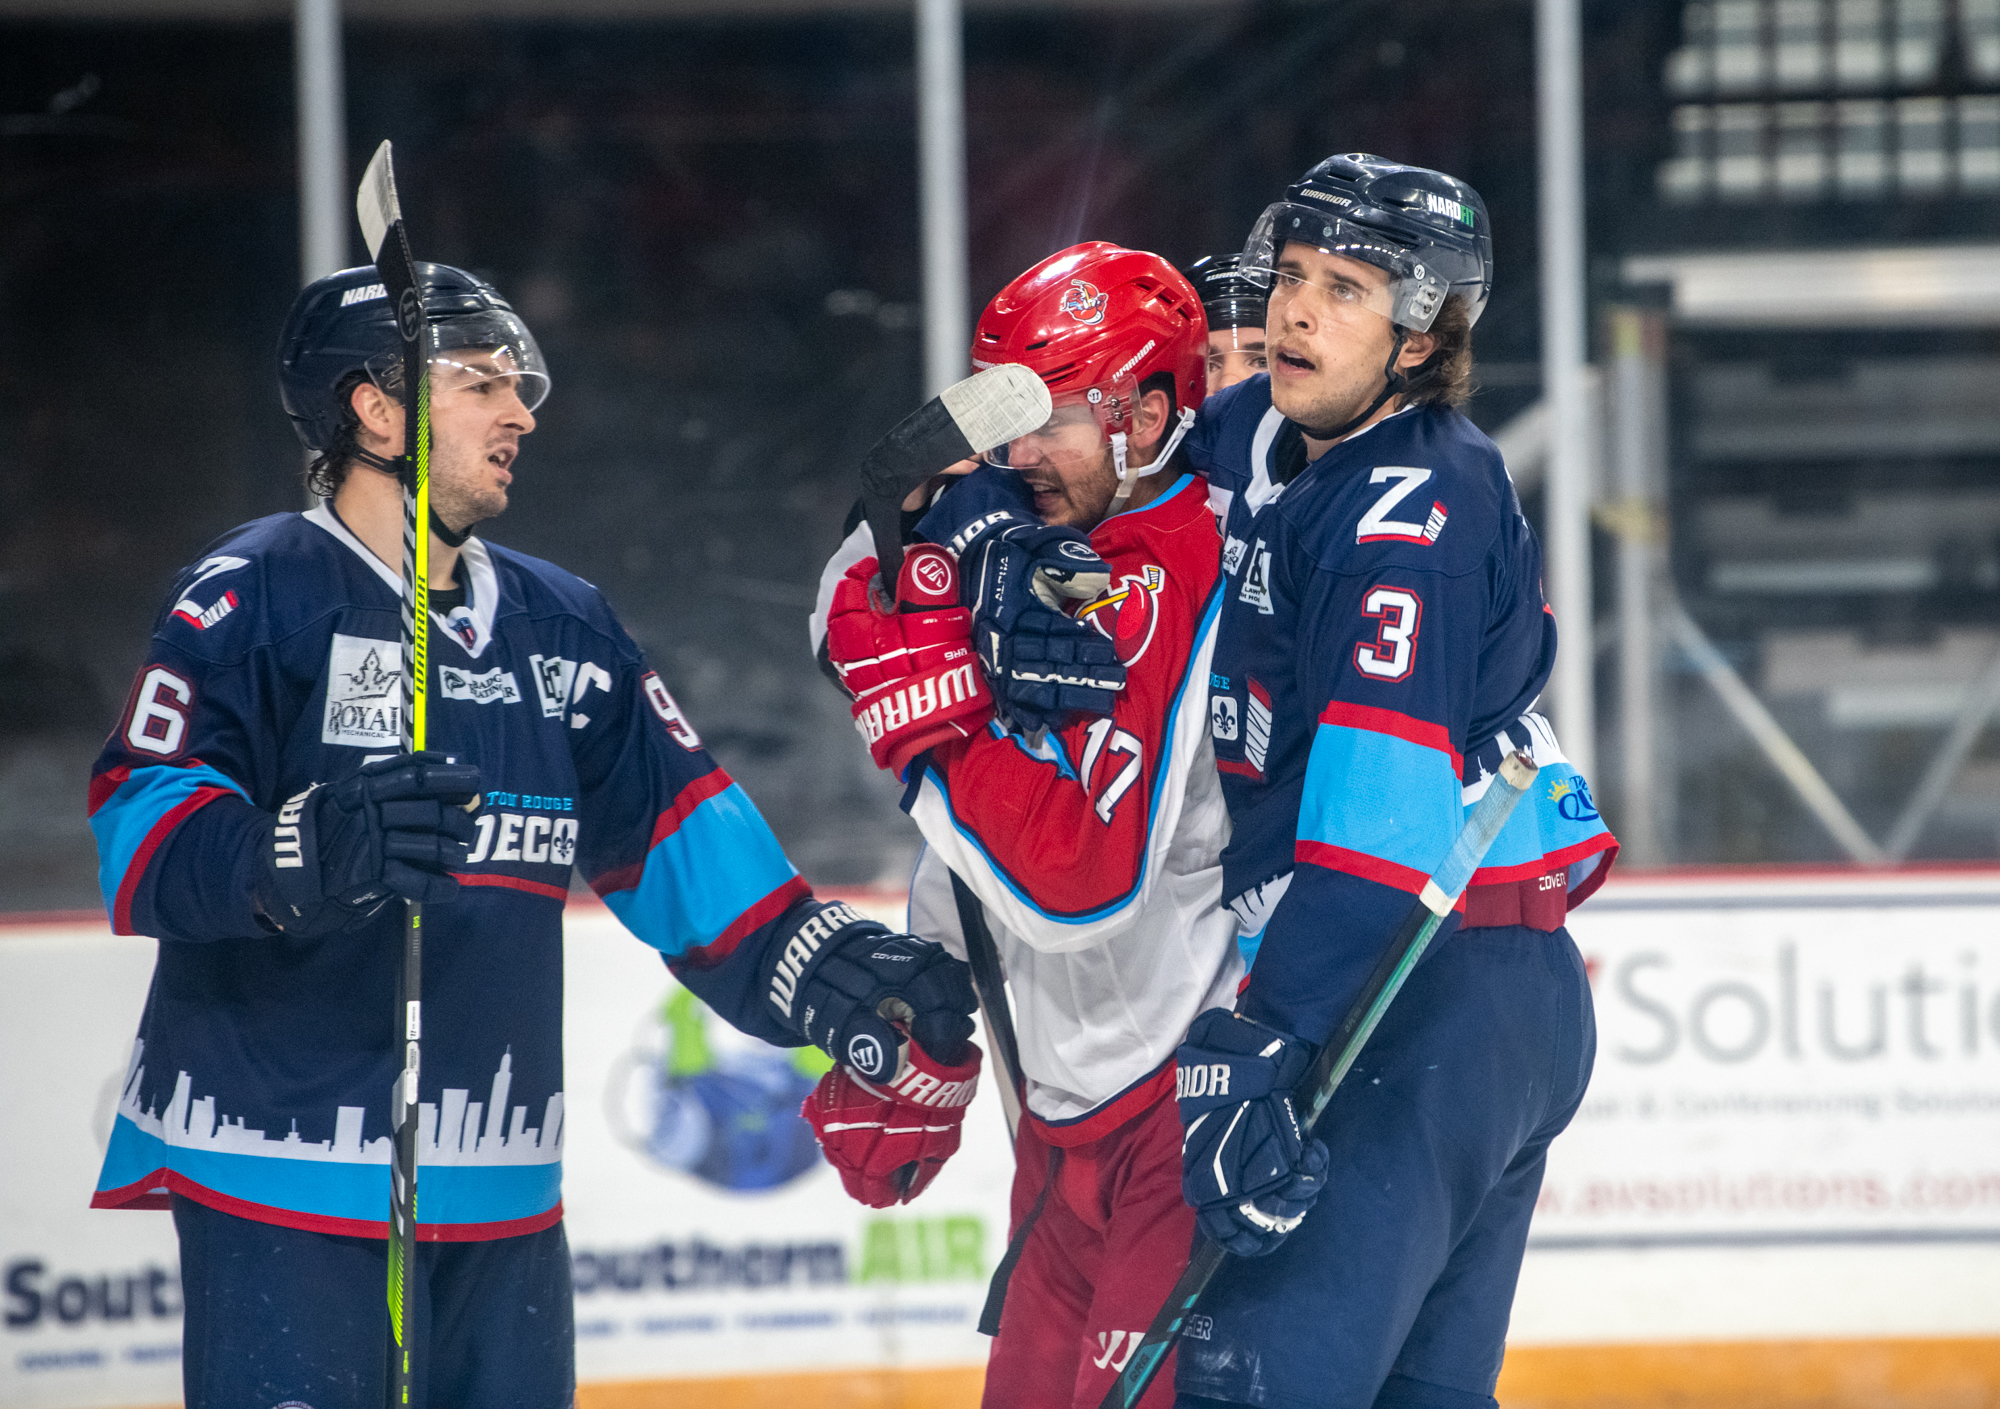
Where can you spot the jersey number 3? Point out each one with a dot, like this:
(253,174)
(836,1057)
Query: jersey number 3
(1392,654)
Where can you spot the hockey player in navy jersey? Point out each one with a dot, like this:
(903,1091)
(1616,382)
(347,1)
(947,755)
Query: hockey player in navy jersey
(1383,633)
(1091,840)
(1235,309)
(255,813)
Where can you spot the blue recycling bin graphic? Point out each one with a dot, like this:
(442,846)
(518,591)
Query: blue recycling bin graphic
(718,1105)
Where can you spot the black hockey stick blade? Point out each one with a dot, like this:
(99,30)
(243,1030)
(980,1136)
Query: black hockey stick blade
(965,419)
(1439,894)
(990,984)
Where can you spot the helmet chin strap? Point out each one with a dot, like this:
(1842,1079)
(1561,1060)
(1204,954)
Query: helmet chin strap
(445,533)
(1127,477)
(1395,384)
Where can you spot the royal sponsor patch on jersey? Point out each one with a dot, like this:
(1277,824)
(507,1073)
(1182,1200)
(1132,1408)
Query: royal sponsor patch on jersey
(364,693)
(496,686)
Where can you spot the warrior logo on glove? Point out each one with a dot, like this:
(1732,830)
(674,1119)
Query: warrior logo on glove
(889,1142)
(865,1054)
(915,680)
(932,579)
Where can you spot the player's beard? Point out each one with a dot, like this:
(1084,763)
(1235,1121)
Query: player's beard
(1345,379)
(464,491)
(1077,497)
(1318,406)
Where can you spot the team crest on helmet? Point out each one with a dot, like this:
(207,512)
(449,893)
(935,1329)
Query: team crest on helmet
(1085,302)
(1128,613)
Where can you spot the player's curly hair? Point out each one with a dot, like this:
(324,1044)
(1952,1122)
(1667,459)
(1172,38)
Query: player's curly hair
(1445,377)
(328,469)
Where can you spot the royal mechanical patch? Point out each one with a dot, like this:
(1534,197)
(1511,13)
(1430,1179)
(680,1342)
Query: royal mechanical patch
(364,693)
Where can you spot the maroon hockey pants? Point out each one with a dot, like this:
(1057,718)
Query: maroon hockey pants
(1112,1236)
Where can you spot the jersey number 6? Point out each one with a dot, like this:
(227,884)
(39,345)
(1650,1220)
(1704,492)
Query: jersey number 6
(1390,656)
(159,713)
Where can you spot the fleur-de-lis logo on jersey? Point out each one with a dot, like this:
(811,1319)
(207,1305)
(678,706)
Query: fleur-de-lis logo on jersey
(1085,302)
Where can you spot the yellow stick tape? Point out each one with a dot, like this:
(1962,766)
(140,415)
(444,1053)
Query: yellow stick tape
(420,626)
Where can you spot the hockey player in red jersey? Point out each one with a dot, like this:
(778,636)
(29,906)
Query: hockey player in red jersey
(1092,841)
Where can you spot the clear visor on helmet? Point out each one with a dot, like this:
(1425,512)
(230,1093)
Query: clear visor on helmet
(1080,424)
(1395,285)
(477,351)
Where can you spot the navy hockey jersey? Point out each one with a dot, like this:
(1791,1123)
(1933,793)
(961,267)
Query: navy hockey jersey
(260,1080)
(1383,633)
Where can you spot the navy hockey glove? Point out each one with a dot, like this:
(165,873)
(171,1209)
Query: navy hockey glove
(843,982)
(1247,1169)
(1044,665)
(335,853)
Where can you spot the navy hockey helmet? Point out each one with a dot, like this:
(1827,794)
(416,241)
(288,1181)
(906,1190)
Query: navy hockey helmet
(344,323)
(1427,229)
(1229,299)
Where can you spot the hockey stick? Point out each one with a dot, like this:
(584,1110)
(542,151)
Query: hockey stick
(389,246)
(965,419)
(983,957)
(1440,893)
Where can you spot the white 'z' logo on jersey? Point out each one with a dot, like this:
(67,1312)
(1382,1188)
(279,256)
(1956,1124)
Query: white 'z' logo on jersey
(1377,527)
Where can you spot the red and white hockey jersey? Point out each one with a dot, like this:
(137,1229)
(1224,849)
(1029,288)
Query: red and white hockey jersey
(1095,850)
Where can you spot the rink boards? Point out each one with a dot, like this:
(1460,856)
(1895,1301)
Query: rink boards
(1784,1184)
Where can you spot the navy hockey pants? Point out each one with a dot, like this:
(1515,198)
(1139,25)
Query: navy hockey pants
(282,1316)
(1395,1290)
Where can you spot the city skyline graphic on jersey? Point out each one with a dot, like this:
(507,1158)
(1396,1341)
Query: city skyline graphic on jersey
(457,1131)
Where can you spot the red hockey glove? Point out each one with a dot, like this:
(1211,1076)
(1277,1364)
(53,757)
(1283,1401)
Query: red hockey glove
(915,679)
(890,1141)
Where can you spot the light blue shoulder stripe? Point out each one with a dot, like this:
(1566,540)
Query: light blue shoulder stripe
(1381,796)
(701,877)
(130,814)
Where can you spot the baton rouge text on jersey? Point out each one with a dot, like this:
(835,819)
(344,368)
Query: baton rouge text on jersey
(526,835)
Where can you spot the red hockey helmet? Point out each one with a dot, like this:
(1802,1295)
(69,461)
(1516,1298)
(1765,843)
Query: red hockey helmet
(1094,321)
